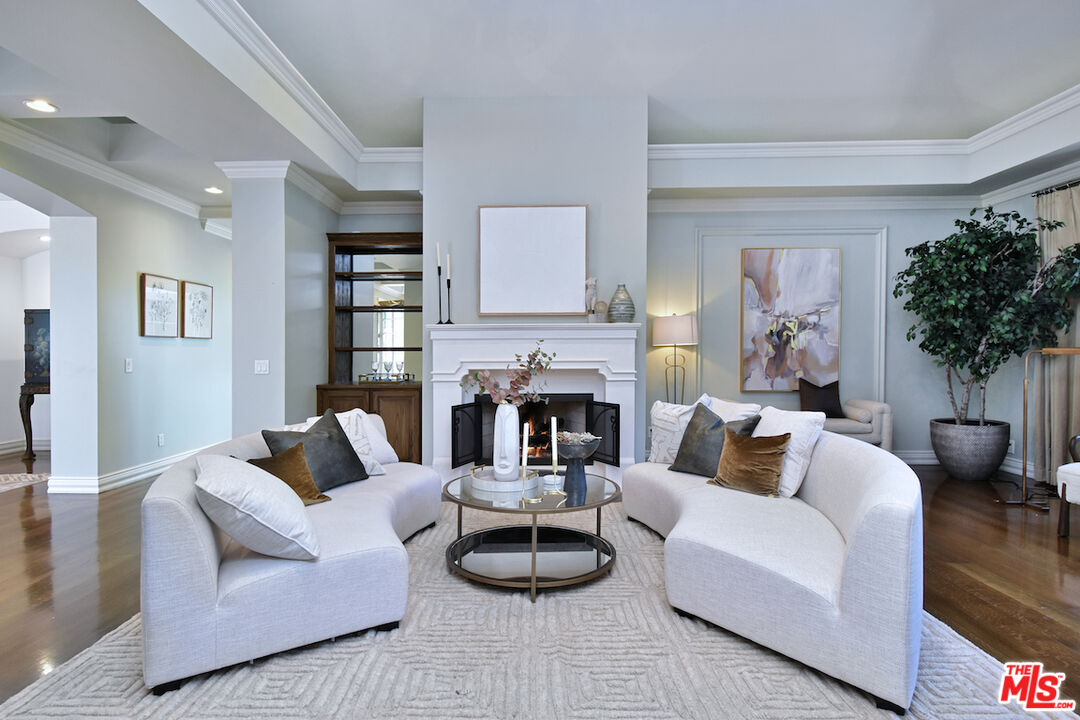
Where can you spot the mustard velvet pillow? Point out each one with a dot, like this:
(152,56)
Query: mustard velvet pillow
(291,467)
(751,464)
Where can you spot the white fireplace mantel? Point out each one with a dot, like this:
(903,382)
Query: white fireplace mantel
(600,358)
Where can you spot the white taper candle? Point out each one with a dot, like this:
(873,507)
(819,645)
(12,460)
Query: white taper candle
(554,446)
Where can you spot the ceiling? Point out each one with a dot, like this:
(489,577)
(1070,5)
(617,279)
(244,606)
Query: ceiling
(21,228)
(720,71)
(137,98)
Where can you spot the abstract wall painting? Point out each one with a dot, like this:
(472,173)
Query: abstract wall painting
(790,326)
(197,319)
(158,306)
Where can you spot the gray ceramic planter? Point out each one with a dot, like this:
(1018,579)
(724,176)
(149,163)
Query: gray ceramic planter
(970,451)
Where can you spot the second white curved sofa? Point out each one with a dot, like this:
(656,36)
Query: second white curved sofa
(208,602)
(831,577)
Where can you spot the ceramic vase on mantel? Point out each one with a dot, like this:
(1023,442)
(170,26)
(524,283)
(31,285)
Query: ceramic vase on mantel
(621,308)
(506,447)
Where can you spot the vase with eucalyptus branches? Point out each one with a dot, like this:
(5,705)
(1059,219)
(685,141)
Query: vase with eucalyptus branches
(981,296)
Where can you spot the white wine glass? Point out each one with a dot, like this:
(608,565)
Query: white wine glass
(374,367)
(400,366)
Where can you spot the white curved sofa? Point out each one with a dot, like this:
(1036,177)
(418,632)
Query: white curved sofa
(831,577)
(208,602)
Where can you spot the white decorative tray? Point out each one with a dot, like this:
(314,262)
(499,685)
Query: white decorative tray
(484,481)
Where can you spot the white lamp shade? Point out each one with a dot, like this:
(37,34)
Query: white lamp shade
(675,330)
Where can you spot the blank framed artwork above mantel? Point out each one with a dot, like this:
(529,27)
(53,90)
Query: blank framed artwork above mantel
(533,259)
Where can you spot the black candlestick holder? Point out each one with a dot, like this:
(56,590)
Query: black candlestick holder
(448,320)
(438,289)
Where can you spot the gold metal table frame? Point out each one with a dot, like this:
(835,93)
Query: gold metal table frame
(548,505)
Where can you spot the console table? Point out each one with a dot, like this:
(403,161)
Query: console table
(26,400)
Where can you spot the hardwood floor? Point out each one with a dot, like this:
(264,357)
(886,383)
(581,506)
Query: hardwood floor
(1000,576)
(69,572)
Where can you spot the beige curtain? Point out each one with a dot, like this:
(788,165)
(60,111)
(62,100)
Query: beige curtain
(1056,391)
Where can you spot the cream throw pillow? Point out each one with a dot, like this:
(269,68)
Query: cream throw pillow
(669,421)
(255,508)
(731,411)
(805,429)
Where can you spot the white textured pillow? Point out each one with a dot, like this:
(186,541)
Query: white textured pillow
(669,421)
(255,508)
(805,429)
(732,411)
(356,429)
(380,446)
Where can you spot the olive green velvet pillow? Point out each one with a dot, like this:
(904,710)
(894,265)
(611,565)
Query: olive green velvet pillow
(291,467)
(703,441)
(752,464)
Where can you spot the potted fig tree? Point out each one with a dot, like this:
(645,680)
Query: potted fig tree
(981,296)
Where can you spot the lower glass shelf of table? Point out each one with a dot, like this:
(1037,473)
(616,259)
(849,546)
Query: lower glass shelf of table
(534,556)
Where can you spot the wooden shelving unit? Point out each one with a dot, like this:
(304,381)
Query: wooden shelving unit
(397,403)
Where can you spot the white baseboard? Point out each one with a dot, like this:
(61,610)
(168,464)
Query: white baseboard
(12,447)
(917,457)
(1011,463)
(120,478)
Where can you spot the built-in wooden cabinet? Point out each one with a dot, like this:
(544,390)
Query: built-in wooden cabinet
(398,404)
(375,332)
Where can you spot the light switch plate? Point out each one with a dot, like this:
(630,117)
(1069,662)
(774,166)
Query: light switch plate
(128,365)
(262,367)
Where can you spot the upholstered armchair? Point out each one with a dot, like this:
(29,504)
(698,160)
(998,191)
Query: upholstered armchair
(864,420)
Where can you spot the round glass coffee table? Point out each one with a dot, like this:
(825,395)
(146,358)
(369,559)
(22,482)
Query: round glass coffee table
(530,556)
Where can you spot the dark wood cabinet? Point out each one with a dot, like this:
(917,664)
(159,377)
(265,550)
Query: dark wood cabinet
(398,404)
(375,280)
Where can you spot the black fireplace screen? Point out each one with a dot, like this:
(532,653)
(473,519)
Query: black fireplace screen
(472,427)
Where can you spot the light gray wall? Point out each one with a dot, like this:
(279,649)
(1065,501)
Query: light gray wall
(258,254)
(413,222)
(12,337)
(306,255)
(535,151)
(914,385)
(179,387)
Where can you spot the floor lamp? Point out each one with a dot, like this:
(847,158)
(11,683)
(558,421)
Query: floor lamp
(674,331)
(1024,501)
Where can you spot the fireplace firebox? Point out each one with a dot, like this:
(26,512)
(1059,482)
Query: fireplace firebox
(473,430)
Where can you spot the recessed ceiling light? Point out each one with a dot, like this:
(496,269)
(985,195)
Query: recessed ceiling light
(214,190)
(44,238)
(40,105)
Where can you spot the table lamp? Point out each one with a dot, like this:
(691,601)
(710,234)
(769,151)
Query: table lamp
(674,331)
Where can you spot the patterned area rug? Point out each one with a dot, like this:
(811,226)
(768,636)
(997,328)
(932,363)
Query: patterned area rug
(609,649)
(18,480)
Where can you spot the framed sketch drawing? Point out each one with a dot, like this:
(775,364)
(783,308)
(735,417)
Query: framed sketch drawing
(533,259)
(790,322)
(158,306)
(197,315)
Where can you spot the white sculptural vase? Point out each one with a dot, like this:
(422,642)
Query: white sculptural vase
(506,449)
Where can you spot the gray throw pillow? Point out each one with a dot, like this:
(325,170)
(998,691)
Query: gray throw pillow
(329,454)
(703,442)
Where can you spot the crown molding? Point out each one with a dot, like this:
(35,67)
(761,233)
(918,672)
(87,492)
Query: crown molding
(245,31)
(1025,119)
(392,155)
(217,227)
(48,150)
(805,204)
(389,207)
(298,177)
(843,148)
(255,169)
(1063,174)
(1018,123)
(281,170)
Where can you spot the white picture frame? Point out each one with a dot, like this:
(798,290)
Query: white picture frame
(197,317)
(533,259)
